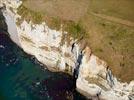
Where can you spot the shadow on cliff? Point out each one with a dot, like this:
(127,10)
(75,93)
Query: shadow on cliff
(3,25)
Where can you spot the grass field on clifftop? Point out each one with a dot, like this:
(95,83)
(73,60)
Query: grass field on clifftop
(106,25)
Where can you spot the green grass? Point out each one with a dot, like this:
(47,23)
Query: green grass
(75,29)
(109,40)
(30,15)
(54,23)
(121,8)
(113,43)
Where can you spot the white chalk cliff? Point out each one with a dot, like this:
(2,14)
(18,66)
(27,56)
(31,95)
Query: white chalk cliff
(94,78)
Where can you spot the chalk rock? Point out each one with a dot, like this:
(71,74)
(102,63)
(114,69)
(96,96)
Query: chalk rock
(95,80)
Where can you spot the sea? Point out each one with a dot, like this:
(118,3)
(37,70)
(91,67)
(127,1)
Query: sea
(22,77)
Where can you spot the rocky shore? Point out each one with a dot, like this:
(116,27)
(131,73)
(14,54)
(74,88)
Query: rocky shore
(94,79)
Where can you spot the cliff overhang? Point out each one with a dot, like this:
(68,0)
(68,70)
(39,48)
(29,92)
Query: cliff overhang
(94,79)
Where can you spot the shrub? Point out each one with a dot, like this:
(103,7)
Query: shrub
(27,14)
(75,29)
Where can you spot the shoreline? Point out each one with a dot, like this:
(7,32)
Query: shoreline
(89,61)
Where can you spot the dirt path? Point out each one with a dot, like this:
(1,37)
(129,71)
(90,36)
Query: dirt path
(114,19)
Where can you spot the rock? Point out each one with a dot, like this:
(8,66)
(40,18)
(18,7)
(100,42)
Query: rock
(95,80)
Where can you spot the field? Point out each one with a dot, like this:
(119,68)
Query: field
(106,25)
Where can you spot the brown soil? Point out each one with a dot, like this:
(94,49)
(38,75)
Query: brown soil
(109,25)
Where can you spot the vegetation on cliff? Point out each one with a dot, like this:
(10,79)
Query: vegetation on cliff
(74,29)
(107,29)
(30,15)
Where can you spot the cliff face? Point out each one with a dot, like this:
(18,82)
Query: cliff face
(94,78)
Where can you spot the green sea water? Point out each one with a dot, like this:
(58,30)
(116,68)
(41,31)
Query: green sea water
(22,77)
